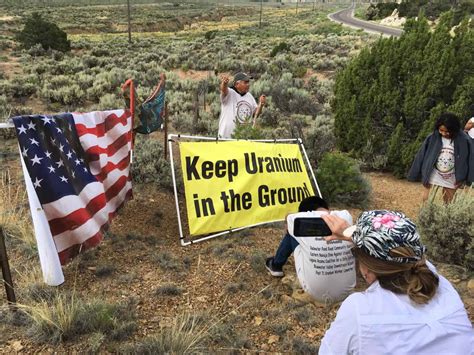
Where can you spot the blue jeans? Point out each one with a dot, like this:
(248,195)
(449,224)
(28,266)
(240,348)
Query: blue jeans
(287,246)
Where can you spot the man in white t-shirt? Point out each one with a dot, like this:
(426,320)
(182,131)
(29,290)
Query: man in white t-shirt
(238,106)
(326,271)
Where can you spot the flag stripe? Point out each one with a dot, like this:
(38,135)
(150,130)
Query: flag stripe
(98,217)
(80,216)
(66,254)
(94,152)
(122,164)
(97,165)
(97,118)
(68,204)
(106,140)
(93,225)
(82,233)
(103,128)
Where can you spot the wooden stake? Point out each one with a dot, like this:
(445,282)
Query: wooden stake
(7,277)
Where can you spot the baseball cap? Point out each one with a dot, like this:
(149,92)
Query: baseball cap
(378,232)
(241,76)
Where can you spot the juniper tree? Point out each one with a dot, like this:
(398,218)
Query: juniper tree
(39,31)
(389,96)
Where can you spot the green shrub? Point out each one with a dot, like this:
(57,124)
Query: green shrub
(257,261)
(109,102)
(247,131)
(5,108)
(168,290)
(289,96)
(167,261)
(341,181)
(433,9)
(280,47)
(210,34)
(48,34)
(372,158)
(448,230)
(149,164)
(380,10)
(319,138)
(36,50)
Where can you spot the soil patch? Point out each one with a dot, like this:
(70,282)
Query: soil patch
(222,279)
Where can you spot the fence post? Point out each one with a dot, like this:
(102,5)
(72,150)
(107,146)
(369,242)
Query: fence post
(7,277)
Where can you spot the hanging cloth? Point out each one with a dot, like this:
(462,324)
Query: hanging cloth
(152,110)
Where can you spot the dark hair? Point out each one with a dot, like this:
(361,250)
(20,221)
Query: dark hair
(312,203)
(451,122)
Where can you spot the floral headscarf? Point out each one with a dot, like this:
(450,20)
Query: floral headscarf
(378,232)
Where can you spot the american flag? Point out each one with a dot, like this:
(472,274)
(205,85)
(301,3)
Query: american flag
(79,166)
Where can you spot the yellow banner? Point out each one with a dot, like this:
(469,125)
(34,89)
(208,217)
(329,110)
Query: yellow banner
(231,184)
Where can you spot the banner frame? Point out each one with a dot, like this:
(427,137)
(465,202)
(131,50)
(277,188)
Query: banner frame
(174,138)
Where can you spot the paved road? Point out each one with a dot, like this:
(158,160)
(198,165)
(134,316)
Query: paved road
(346,17)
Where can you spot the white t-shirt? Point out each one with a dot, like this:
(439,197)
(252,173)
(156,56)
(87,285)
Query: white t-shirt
(325,270)
(235,108)
(378,321)
(471,131)
(443,171)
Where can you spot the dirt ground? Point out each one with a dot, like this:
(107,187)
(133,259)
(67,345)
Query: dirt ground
(222,279)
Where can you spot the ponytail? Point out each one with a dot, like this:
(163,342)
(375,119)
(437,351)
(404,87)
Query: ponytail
(415,280)
(422,283)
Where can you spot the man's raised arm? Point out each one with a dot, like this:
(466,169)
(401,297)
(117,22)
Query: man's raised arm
(224,85)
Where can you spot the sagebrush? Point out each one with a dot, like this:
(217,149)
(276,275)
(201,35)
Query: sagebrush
(448,230)
(149,163)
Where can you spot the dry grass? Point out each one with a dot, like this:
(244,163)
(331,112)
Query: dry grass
(14,213)
(66,316)
(185,335)
(53,321)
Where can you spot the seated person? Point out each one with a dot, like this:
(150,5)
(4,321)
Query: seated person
(326,271)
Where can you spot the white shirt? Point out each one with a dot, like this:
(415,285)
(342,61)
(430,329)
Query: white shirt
(443,171)
(325,270)
(378,321)
(235,108)
(471,131)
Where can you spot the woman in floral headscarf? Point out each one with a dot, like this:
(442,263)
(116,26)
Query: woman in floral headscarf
(408,308)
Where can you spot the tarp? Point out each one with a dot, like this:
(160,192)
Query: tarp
(232,184)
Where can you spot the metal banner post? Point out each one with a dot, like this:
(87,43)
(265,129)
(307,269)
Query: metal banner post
(175,138)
